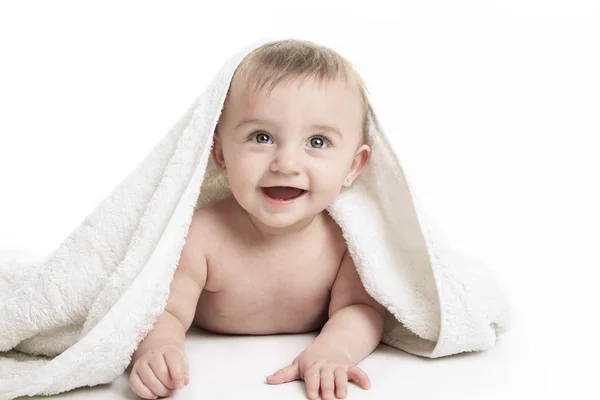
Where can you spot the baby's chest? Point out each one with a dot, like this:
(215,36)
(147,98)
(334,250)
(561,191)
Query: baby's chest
(284,284)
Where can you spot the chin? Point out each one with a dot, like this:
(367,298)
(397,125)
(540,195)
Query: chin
(279,223)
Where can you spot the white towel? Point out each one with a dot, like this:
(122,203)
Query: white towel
(75,317)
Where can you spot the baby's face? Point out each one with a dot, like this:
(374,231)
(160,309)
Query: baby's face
(283,140)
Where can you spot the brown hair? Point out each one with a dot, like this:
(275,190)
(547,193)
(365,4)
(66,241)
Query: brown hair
(285,60)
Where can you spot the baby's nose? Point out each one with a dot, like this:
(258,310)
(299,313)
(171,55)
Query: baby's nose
(287,161)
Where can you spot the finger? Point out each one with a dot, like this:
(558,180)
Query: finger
(356,374)
(327,383)
(341,382)
(178,368)
(135,383)
(312,380)
(284,375)
(151,381)
(159,366)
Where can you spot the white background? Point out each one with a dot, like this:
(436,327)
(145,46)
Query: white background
(494,107)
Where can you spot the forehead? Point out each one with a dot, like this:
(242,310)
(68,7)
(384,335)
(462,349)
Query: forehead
(306,101)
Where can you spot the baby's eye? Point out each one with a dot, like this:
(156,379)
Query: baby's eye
(262,138)
(318,142)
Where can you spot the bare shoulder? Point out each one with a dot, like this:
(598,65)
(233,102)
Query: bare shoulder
(199,226)
(192,262)
(206,236)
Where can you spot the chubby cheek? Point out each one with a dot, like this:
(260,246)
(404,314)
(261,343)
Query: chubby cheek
(244,174)
(326,184)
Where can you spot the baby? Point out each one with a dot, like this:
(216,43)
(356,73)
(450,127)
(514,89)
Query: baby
(269,259)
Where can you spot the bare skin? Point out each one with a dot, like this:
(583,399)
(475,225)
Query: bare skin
(252,267)
(279,286)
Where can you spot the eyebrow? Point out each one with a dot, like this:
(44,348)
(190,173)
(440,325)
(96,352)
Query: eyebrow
(331,128)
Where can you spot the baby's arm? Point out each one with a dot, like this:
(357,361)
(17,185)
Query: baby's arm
(355,324)
(159,363)
(353,331)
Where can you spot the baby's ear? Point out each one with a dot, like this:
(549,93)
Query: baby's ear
(358,164)
(217,153)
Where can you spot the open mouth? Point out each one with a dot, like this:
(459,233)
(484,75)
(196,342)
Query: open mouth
(282,194)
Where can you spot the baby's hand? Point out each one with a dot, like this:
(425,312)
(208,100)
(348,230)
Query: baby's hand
(159,371)
(324,368)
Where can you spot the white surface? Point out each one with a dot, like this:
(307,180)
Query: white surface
(498,100)
(235,367)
